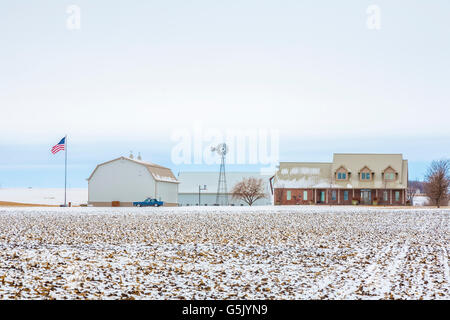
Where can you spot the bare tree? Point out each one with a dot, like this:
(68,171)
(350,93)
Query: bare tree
(249,190)
(438,181)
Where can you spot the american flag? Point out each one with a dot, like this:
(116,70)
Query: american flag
(60,146)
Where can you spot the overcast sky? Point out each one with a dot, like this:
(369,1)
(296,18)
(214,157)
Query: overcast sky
(137,71)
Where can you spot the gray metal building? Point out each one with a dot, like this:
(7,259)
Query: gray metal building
(189,182)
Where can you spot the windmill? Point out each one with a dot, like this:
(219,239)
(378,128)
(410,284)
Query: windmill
(222,195)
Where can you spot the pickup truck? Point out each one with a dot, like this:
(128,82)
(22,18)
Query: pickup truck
(149,202)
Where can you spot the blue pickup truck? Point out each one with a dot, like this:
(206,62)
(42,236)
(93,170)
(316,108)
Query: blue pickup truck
(149,202)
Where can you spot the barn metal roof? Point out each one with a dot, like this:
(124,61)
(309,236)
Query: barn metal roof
(158,172)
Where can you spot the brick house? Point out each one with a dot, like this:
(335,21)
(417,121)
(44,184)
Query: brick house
(350,178)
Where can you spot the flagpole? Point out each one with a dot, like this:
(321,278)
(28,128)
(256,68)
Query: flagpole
(65,173)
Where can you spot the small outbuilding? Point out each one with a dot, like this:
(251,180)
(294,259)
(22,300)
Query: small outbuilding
(122,181)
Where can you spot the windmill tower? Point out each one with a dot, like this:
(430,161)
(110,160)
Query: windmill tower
(222,194)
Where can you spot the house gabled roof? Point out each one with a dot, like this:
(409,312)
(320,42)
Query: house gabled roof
(343,167)
(389,167)
(159,173)
(365,167)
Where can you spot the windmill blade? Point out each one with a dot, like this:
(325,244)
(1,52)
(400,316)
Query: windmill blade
(222,149)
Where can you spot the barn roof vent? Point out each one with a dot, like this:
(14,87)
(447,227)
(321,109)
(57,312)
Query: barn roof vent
(131,155)
(139,156)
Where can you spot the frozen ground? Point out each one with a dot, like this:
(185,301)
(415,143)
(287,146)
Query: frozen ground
(52,196)
(215,253)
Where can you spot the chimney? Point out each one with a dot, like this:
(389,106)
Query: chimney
(139,156)
(131,155)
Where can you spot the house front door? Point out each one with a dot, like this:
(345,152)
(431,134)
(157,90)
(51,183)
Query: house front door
(366,196)
(322,196)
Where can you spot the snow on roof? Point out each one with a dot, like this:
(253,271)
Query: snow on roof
(304,183)
(158,172)
(165,178)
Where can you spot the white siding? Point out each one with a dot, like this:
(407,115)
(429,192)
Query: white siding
(167,192)
(121,180)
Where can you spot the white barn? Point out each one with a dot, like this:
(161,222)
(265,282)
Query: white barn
(188,192)
(125,180)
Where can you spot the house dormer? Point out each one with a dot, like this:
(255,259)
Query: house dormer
(342,174)
(389,174)
(365,174)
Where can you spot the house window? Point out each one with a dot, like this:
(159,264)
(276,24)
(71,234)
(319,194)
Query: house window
(365,176)
(385,196)
(397,195)
(333,195)
(342,176)
(288,195)
(345,195)
(305,195)
(389,176)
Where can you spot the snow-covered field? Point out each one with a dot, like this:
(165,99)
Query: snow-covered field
(215,253)
(51,196)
